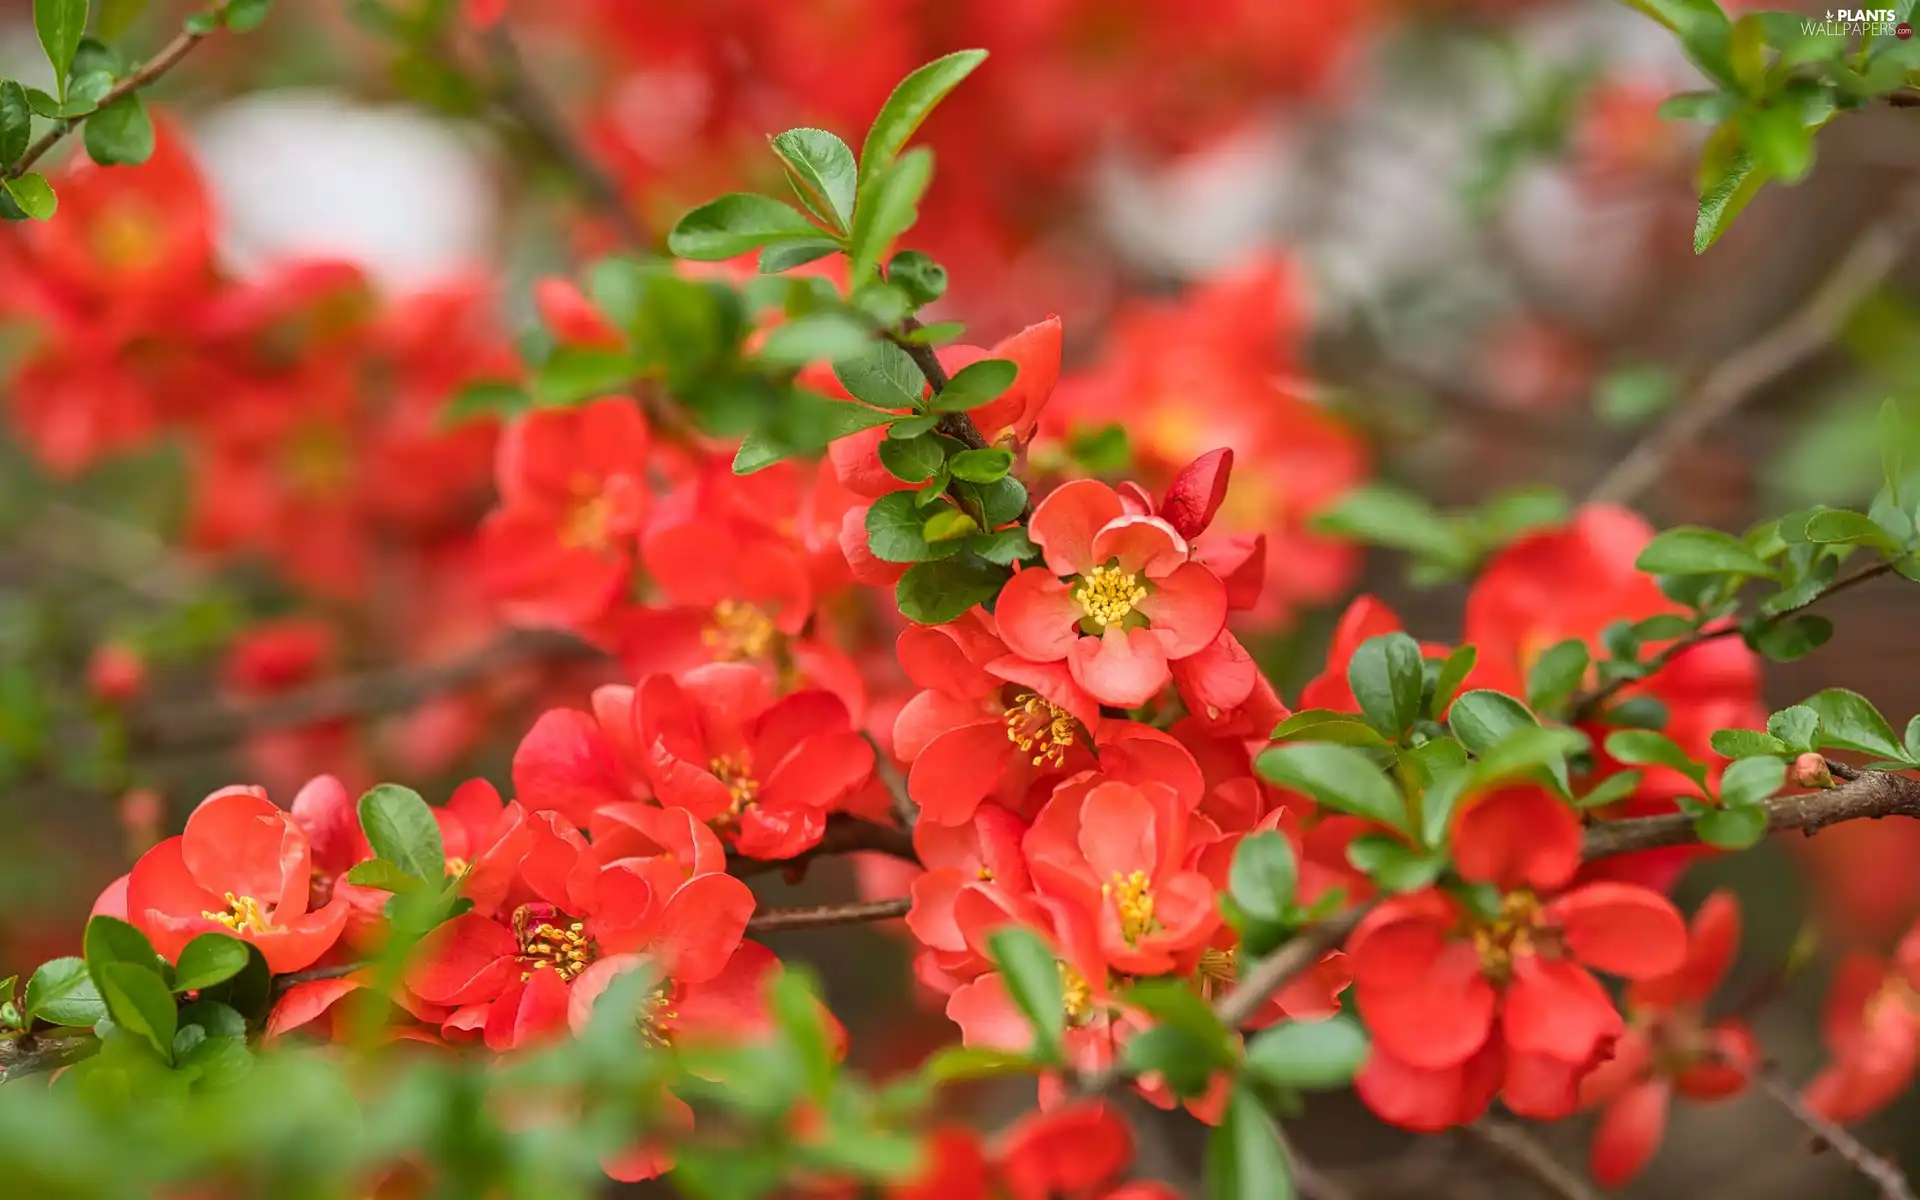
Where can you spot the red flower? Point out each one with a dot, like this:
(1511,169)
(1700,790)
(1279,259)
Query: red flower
(1871,1026)
(242,867)
(1668,1047)
(573,496)
(1012,414)
(764,772)
(950,920)
(1072,1153)
(1119,597)
(573,762)
(727,592)
(1463,1004)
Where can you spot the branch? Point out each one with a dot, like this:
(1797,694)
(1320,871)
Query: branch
(958,425)
(845,835)
(820,916)
(1513,1145)
(1804,333)
(359,695)
(1589,703)
(1885,1175)
(530,108)
(149,71)
(1871,795)
(36,1053)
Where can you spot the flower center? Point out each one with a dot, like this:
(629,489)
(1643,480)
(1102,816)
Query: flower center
(1107,595)
(319,460)
(243,913)
(129,236)
(738,631)
(737,775)
(1132,896)
(1076,995)
(1040,728)
(651,1014)
(550,940)
(1516,930)
(1215,971)
(457,867)
(586,524)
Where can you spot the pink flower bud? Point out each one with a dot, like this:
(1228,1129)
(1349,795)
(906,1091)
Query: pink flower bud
(1810,771)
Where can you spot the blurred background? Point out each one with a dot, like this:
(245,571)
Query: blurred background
(1441,246)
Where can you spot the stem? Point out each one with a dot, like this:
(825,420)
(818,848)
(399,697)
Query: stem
(1870,796)
(149,71)
(820,916)
(1513,1145)
(1884,1174)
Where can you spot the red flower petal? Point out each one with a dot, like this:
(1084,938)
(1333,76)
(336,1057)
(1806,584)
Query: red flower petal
(1521,836)
(1197,492)
(1037,616)
(1140,545)
(1558,1008)
(1429,1100)
(1621,929)
(466,960)
(1540,1086)
(958,770)
(565,764)
(237,841)
(701,927)
(1188,609)
(1713,937)
(1121,668)
(1066,522)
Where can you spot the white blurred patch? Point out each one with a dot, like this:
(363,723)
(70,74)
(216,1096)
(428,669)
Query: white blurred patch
(1201,211)
(311,174)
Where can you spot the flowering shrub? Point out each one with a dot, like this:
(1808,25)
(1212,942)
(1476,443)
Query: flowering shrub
(777,571)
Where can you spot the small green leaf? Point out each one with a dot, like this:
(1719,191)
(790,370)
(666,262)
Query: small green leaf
(958,1064)
(110,940)
(1245,1160)
(1447,680)
(785,256)
(1646,748)
(1337,777)
(33,194)
(1795,637)
(16,122)
(884,376)
(912,427)
(923,279)
(1173,1055)
(244,15)
(1780,142)
(976,384)
(208,959)
(483,399)
(1482,717)
(1388,678)
(1731,828)
(946,525)
(1032,976)
(401,829)
(575,374)
(816,337)
(1557,674)
(911,101)
(1394,865)
(1393,517)
(1615,787)
(121,134)
(1309,1055)
(1693,550)
(982,466)
(1632,394)
(736,223)
(1723,199)
(60,24)
(1891,429)
(889,205)
(140,1003)
(1703,108)
(1263,876)
(1751,780)
(1849,721)
(383,875)
(1327,725)
(116,15)
(62,992)
(933,593)
(1005,547)
(1797,726)
(823,173)
(913,460)
(1745,743)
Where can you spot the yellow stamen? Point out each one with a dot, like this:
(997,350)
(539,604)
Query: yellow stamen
(565,949)
(242,913)
(1513,932)
(1107,595)
(651,1015)
(1215,972)
(739,632)
(1132,895)
(457,867)
(1076,995)
(1041,728)
(737,775)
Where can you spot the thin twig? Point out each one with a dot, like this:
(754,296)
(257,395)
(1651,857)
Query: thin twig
(282,984)
(1513,1145)
(956,425)
(1590,703)
(1734,379)
(169,56)
(36,1053)
(522,99)
(820,916)
(845,835)
(1884,1174)
(1870,796)
(904,809)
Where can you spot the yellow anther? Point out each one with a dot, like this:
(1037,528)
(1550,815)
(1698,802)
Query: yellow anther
(984,874)
(739,632)
(586,524)
(1076,995)
(545,945)
(457,867)
(737,775)
(1215,972)
(1041,728)
(1510,933)
(1107,595)
(1132,896)
(241,913)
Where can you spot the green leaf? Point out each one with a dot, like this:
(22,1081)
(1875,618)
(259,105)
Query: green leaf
(401,829)
(955,1064)
(1781,143)
(735,224)
(1394,865)
(1172,1054)
(121,134)
(1731,828)
(1891,431)
(889,205)
(914,98)
(1704,108)
(1615,787)
(1646,748)
(1032,976)
(1797,726)
(976,384)
(1482,717)
(1723,199)
(785,256)
(1006,547)
(1631,394)
(1388,678)
(575,374)
(1396,518)
(116,15)
(982,466)
(816,337)
(110,940)
(1751,780)
(243,15)
(16,122)
(60,23)
(923,279)
(1327,725)
(33,195)
(1557,674)
(1263,876)
(1309,1055)
(485,398)
(999,502)
(62,992)
(1795,637)
(1453,672)
(913,460)
(383,875)
(946,525)
(1337,777)
(933,593)
(140,1003)
(822,172)
(912,427)
(1245,1160)
(1849,721)
(1841,527)
(883,375)
(1693,550)
(208,959)
(1745,743)
(1528,749)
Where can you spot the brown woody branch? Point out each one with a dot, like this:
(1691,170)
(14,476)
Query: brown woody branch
(36,1053)
(820,916)
(1512,1144)
(149,71)
(1884,1174)
(1870,795)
